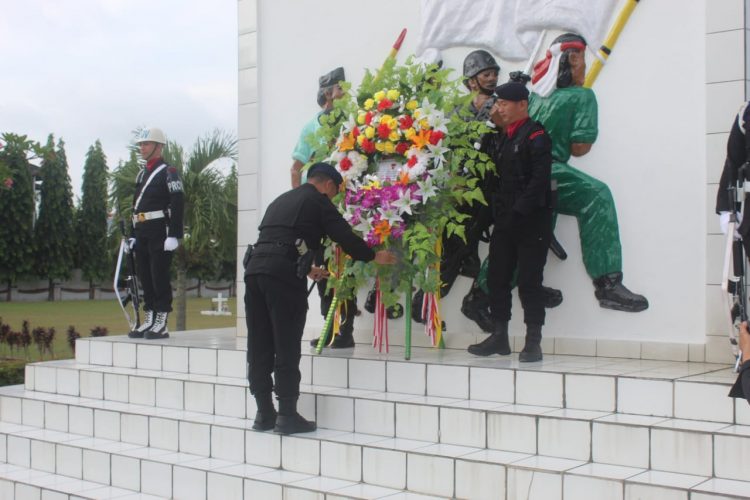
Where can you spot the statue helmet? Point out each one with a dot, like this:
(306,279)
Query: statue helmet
(478,61)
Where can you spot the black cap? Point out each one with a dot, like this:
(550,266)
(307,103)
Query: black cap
(326,169)
(512,91)
(331,78)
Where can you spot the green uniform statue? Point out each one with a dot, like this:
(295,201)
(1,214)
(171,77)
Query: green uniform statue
(569,114)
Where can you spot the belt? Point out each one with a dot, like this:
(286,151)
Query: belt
(144,216)
(275,248)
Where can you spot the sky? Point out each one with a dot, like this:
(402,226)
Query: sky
(97,69)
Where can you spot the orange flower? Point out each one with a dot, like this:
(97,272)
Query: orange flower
(421,139)
(382,229)
(403,179)
(347,143)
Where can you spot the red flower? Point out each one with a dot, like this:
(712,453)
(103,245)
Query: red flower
(412,161)
(345,164)
(368,118)
(384,131)
(402,147)
(384,104)
(435,137)
(405,122)
(8,182)
(355,132)
(368,146)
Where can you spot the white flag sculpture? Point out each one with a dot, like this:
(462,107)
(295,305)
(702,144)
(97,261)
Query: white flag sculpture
(510,28)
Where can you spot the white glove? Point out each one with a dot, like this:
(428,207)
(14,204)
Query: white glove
(129,245)
(724,223)
(171,244)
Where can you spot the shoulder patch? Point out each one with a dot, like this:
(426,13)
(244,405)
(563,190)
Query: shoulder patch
(536,134)
(171,170)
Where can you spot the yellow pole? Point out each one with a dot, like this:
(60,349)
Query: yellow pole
(606,49)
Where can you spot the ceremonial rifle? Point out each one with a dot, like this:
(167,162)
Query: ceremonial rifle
(131,281)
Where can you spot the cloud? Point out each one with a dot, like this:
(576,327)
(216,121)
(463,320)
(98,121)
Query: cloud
(97,69)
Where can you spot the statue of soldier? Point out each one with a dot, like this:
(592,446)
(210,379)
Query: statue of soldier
(568,112)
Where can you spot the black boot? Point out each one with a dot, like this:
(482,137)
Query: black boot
(159,329)
(497,343)
(470,266)
(289,421)
(416,306)
(345,338)
(370,301)
(314,341)
(476,307)
(552,297)
(265,417)
(612,294)
(532,350)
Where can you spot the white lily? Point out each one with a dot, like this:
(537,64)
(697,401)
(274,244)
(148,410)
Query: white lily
(404,202)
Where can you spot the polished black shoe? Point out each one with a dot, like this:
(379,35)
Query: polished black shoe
(343,342)
(474,307)
(552,297)
(470,266)
(293,424)
(497,343)
(612,294)
(264,421)
(314,341)
(530,353)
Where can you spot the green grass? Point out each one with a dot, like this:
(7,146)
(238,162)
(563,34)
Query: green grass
(86,314)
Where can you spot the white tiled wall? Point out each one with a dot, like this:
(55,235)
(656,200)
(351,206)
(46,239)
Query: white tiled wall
(248,92)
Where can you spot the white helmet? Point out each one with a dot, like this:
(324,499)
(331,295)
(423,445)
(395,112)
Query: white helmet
(151,134)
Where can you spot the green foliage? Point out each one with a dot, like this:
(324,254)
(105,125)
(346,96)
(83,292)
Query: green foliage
(12,372)
(459,182)
(53,233)
(16,208)
(91,218)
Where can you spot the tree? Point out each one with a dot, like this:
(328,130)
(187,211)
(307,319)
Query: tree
(91,219)
(53,234)
(210,211)
(16,209)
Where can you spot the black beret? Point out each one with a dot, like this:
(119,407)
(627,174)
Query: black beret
(331,78)
(512,91)
(326,169)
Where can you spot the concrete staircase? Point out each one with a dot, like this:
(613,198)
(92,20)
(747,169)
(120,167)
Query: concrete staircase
(159,419)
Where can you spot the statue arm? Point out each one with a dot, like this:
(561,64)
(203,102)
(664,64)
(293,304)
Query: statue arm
(580,148)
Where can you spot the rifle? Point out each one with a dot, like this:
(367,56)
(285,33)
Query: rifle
(131,281)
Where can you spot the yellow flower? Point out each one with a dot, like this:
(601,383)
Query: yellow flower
(409,133)
(412,105)
(372,185)
(361,118)
(369,132)
(379,95)
(347,142)
(424,123)
(360,139)
(393,94)
(369,103)
(393,136)
(389,147)
(380,146)
(387,120)
(416,115)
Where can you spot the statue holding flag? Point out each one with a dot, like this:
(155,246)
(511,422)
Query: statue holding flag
(569,113)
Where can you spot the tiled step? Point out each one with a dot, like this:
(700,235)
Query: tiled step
(119,469)
(118,409)
(100,468)
(645,387)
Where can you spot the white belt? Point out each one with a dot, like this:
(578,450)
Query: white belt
(144,216)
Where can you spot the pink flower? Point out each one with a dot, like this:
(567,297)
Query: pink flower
(8,183)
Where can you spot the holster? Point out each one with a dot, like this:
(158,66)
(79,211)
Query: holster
(304,264)
(248,254)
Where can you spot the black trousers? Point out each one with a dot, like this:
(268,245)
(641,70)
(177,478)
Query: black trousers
(519,242)
(153,265)
(455,251)
(348,308)
(275,313)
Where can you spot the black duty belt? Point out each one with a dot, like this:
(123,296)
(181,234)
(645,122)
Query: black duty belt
(275,248)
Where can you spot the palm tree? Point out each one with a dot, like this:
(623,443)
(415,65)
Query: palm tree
(210,204)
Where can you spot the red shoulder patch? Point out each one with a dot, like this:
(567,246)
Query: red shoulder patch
(171,170)
(536,134)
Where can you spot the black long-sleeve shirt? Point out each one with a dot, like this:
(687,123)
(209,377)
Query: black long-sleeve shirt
(164,192)
(738,153)
(304,213)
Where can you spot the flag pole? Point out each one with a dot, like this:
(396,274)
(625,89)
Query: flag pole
(606,49)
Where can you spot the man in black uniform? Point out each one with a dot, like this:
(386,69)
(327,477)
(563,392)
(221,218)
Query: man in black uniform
(738,154)
(276,295)
(522,216)
(158,207)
